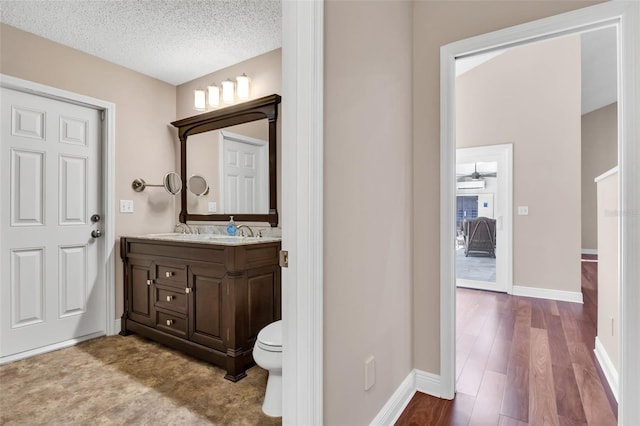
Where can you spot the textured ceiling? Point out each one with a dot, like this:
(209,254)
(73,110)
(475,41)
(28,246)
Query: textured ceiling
(174,41)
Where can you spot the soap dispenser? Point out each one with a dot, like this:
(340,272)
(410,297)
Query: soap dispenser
(231,227)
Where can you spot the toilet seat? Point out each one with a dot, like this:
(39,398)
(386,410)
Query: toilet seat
(270,337)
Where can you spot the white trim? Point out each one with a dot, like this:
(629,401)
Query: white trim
(117,326)
(398,401)
(416,381)
(545,293)
(606,174)
(589,251)
(609,370)
(625,15)
(107,269)
(428,383)
(477,285)
(50,348)
(302,211)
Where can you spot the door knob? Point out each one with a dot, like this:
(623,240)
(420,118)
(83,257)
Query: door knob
(96,233)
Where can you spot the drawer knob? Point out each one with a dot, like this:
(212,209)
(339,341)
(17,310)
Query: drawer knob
(169,298)
(149,282)
(187,290)
(170,322)
(168,274)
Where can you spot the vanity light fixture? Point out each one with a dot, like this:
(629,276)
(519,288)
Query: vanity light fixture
(199,100)
(228,89)
(213,95)
(243,86)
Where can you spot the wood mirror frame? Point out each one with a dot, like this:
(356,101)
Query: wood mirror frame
(258,109)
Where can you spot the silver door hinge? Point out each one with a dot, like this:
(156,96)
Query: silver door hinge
(284,259)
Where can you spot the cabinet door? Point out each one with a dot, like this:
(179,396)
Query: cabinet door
(206,325)
(141,303)
(263,299)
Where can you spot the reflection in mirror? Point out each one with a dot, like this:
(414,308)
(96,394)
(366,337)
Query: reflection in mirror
(172,183)
(198,185)
(204,131)
(235,162)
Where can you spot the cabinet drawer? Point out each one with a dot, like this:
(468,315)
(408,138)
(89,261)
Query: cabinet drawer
(173,275)
(170,298)
(171,322)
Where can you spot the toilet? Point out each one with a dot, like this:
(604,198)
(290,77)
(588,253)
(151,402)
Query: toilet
(267,353)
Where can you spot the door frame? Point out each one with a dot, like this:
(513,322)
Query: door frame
(625,16)
(302,211)
(106,263)
(503,155)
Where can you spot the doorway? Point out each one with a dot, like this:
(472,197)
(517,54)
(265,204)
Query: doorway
(624,16)
(484,188)
(57,236)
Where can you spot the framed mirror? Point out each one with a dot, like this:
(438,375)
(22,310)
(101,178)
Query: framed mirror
(233,149)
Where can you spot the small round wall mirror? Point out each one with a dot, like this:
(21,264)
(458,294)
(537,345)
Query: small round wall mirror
(172,183)
(198,185)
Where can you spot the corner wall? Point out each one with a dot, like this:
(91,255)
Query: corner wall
(599,154)
(145,146)
(367,199)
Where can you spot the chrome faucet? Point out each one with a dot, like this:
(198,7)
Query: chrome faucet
(239,227)
(186,229)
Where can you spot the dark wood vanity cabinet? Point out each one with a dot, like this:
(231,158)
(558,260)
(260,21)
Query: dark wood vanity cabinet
(208,300)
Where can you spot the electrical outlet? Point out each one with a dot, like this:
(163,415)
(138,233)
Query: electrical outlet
(369,372)
(523,210)
(126,206)
(212,207)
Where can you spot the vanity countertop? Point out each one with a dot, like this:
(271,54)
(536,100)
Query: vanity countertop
(213,239)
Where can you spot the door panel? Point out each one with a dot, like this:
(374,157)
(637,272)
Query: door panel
(50,289)
(245,180)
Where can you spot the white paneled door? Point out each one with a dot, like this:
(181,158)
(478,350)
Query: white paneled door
(245,178)
(51,214)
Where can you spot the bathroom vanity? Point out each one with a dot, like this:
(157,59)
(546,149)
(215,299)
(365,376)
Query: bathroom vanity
(205,295)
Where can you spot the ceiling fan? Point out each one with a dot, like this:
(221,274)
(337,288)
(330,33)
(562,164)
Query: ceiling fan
(475,175)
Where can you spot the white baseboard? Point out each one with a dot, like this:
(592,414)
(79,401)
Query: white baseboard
(416,381)
(117,326)
(607,366)
(428,383)
(50,348)
(545,293)
(589,251)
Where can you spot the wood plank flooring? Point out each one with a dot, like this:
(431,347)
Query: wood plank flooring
(523,361)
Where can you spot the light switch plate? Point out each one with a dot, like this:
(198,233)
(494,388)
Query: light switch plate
(523,210)
(126,206)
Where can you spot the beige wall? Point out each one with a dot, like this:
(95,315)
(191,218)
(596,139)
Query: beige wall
(530,96)
(265,72)
(145,106)
(367,199)
(608,308)
(599,154)
(437,23)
